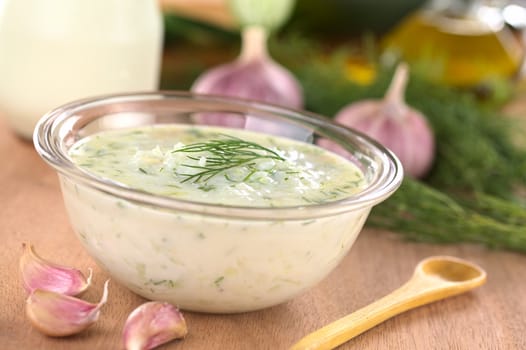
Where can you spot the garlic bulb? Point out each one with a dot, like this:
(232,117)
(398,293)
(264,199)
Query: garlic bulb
(60,315)
(253,75)
(395,125)
(152,324)
(38,273)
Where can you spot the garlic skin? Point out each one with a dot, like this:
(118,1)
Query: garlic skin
(253,75)
(38,273)
(152,324)
(395,125)
(58,315)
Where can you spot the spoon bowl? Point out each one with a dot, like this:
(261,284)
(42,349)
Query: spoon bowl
(434,278)
(451,269)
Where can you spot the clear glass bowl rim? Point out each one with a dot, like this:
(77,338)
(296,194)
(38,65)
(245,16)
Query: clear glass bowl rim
(49,146)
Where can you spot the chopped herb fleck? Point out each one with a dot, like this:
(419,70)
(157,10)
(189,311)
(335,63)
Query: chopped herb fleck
(218,281)
(206,187)
(164,282)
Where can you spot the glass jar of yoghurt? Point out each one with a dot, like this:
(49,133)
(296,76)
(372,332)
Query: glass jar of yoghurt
(55,51)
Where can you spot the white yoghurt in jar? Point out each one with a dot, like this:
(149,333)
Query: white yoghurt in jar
(56,51)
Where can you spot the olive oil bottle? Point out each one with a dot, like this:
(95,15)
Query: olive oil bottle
(457,42)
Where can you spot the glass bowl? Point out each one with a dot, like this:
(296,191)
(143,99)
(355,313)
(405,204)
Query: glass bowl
(210,257)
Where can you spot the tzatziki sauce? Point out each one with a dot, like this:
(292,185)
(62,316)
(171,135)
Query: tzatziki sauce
(212,263)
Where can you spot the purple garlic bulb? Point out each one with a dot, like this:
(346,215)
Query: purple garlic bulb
(253,75)
(394,124)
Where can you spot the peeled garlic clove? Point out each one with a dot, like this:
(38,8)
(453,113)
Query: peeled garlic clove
(38,273)
(152,324)
(253,75)
(60,315)
(394,124)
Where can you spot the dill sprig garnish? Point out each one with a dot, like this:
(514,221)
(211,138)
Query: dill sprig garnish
(222,155)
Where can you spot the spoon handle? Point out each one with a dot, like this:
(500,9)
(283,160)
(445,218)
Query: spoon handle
(416,292)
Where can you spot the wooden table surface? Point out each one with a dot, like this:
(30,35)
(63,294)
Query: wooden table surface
(491,317)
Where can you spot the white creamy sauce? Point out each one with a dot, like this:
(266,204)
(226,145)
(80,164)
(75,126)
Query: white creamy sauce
(281,173)
(201,262)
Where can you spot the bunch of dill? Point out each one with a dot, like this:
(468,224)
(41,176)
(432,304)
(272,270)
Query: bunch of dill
(472,192)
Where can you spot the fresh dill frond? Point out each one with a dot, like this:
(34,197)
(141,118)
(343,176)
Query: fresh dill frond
(222,155)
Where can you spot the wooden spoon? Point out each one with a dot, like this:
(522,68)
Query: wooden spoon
(435,278)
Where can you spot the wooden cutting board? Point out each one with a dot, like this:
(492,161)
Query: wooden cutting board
(31,210)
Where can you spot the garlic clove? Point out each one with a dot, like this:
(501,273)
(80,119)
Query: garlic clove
(152,324)
(38,273)
(60,315)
